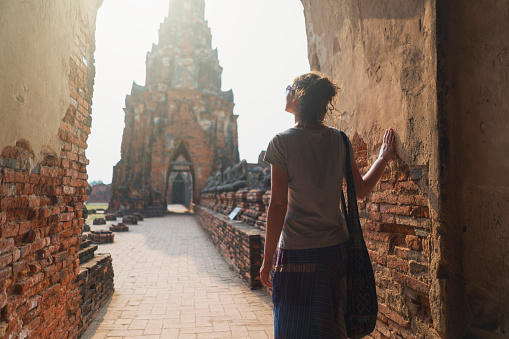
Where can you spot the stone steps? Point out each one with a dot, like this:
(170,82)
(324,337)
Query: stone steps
(87,254)
(85,243)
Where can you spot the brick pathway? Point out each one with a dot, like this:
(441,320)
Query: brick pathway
(170,282)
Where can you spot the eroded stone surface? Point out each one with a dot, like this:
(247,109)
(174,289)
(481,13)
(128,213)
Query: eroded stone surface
(47,73)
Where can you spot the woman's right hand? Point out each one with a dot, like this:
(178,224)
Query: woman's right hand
(364,184)
(387,149)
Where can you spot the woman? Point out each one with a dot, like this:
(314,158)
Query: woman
(308,166)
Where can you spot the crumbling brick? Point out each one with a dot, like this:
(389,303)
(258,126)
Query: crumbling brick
(40,220)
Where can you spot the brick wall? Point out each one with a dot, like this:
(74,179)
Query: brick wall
(100,193)
(238,242)
(253,203)
(396,226)
(95,282)
(41,212)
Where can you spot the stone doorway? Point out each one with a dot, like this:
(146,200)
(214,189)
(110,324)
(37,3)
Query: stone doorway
(180,188)
(180,178)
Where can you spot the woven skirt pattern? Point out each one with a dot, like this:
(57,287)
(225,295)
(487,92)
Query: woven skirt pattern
(309,293)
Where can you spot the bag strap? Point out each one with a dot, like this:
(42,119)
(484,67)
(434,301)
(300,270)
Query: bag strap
(352,213)
(347,168)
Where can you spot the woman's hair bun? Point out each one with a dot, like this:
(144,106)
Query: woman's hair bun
(315,91)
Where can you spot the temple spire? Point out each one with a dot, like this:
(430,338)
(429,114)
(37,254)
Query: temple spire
(187,8)
(184,57)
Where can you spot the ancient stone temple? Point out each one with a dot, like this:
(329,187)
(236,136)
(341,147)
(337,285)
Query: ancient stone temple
(179,127)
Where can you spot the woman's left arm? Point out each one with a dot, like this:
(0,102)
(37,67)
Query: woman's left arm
(364,185)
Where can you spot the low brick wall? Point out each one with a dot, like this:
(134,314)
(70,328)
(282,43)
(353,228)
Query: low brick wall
(95,283)
(253,203)
(238,242)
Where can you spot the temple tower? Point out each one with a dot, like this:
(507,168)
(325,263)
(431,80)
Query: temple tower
(180,126)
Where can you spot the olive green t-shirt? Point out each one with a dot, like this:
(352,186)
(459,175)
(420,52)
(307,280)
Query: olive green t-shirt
(315,162)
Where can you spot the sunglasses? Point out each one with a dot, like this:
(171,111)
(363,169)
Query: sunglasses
(289,89)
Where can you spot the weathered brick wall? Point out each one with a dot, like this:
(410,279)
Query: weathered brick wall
(251,219)
(238,242)
(253,203)
(396,227)
(42,192)
(436,72)
(100,193)
(95,283)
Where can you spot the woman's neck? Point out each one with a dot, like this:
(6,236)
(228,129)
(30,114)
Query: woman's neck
(309,126)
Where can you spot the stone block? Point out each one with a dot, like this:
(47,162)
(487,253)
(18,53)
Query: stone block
(110,217)
(130,220)
(99,221)
(101,237)
(119,228)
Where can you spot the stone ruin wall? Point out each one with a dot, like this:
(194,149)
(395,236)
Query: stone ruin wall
(100,194)
(181,114)
(47,71)
(152,137)
(473,65)
(434,225)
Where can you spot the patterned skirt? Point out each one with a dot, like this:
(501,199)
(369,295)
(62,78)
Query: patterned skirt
(309,293)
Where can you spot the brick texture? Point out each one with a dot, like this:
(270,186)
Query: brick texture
(95,282)
(41,216)
(396,225)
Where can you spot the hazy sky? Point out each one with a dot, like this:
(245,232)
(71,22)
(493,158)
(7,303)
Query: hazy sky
(261,46)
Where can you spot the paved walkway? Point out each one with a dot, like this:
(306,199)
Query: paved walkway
(171,282)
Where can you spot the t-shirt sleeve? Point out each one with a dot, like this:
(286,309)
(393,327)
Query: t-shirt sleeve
(276,153)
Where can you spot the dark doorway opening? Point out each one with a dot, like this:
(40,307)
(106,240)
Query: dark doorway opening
(178,190)
(180,178)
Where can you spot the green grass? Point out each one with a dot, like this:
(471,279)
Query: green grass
(96,206)
(91,217)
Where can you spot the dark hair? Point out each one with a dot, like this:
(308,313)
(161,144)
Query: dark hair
(315,92)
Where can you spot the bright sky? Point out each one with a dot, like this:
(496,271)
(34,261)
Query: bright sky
(261,46)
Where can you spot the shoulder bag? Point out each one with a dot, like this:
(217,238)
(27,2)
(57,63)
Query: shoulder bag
(362,305)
